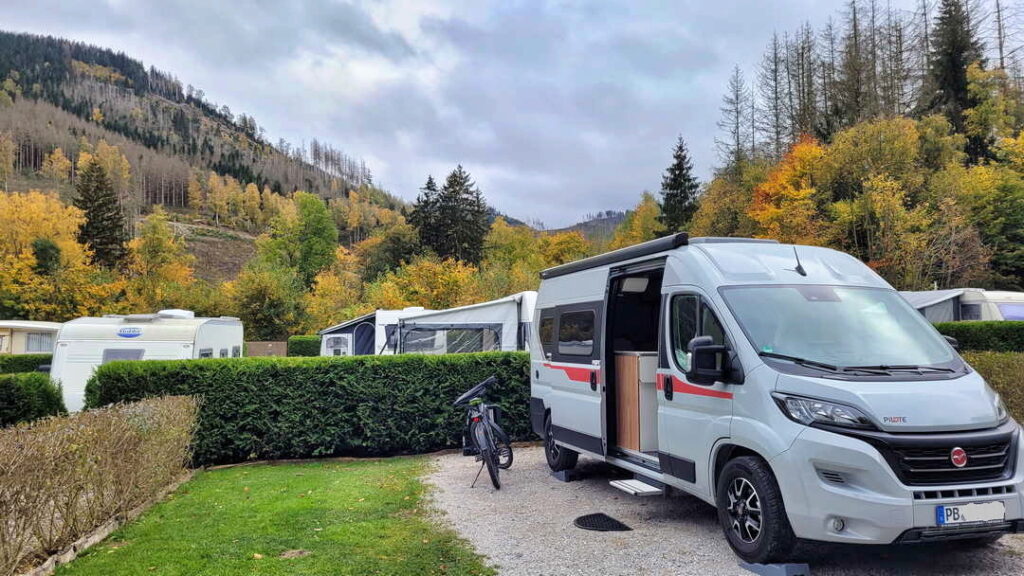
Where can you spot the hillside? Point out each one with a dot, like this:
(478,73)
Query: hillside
(597,227)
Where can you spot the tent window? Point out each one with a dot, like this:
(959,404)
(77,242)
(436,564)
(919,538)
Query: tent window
(576,333)
(39,342)
(206,352)
(970,311)
(223,352)
(450,340)
(236,351)
(338,345)
(112,354)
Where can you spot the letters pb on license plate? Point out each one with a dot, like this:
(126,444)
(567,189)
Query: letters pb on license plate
(969,513)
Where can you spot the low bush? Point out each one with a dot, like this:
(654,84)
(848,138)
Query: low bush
(61,478)
(1000,336)
(28,396)
(1002,371)
(12,363)
(304,345)
(259,408)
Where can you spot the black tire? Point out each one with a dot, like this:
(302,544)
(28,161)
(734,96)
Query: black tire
(488,454)
(748,495)
(559,457)
(504,454)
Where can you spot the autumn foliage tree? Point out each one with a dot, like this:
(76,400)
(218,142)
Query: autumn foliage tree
(785,205)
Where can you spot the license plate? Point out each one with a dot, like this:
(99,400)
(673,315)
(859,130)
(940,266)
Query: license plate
(969,513)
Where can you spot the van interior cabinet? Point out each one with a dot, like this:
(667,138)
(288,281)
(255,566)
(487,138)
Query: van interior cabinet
(636,401)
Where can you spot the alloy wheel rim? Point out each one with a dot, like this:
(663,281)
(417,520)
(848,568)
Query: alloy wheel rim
(744,510)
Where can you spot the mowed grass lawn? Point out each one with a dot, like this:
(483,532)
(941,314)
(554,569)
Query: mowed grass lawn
(361,517)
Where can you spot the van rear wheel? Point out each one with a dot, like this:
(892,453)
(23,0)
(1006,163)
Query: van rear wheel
(559,457)
(751,512)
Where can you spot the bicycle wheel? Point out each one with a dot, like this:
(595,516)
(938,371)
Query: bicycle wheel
(503,445)
(488,453)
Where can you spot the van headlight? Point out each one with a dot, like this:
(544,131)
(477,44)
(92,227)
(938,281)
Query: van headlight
(810,410)
(1002,414)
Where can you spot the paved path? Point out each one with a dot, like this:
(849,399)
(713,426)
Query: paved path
(526,529)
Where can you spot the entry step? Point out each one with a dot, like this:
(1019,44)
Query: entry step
(637,487)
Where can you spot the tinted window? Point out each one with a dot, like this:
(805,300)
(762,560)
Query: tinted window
(236,351)
(223,352)
(206,352)
(970,311)
(547,333)
(576,333)
(710,326)
(1012,311)
(111,354)
(684,326)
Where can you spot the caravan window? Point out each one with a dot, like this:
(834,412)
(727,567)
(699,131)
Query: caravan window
(223,352)
(111,354)
(236,351)
(206,352)
(576,333)
(39,342)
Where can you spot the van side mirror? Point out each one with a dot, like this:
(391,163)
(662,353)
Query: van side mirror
(952,342)
(709,362)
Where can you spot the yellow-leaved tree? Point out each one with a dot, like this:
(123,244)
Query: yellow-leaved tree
(641,224)
(785,205)
(159,266)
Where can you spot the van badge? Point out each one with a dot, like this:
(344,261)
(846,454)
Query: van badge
(130,332)
(894,419)
(958,456)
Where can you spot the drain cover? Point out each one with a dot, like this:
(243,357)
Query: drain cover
(601,523)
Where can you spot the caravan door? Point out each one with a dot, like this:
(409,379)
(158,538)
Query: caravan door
(571,339)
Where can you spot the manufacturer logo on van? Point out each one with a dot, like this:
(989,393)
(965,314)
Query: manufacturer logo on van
(130,332)
(894,419)
(958,456)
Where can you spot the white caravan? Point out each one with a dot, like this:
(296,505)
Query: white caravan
(84,344)
(502,324)
(789,386)
(967,304)
(373,333)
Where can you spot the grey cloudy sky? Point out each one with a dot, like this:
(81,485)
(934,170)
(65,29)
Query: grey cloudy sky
(558,109)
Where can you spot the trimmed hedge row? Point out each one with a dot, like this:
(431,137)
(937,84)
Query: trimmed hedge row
(1000,336)
(260,408)
(1002,371)
(28,396)
(304,345)
(13,363)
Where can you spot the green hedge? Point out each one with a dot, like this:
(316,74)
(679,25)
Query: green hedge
(304,345)
(1000,336)
(259,408)
(13,363)
(1002,371)
(28,396)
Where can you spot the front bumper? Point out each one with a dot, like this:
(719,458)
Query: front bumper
(825,477)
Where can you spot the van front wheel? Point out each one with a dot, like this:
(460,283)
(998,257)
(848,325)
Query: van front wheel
(559,457)
(751,512)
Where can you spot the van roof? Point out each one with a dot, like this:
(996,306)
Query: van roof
(643,249)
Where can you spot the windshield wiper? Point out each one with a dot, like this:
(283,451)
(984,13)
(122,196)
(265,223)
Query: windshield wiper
(889,369)
(800,361)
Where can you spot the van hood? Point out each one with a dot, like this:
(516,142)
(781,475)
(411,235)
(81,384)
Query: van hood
(965,403)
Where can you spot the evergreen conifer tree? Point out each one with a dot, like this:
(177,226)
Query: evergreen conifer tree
(954,47)
(424,214)
(679,190)
(461,218)
(103,229)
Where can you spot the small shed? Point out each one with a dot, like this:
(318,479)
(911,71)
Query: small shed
(373,333)
(84,344)
(502,324)
(27,336)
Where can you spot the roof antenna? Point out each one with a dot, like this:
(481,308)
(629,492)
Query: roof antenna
(799,267)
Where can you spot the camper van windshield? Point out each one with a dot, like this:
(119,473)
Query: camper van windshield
(841,327)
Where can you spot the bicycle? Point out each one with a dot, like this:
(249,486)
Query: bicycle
(491,443)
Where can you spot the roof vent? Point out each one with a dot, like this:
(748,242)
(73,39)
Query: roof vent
(176,313)
(136,318)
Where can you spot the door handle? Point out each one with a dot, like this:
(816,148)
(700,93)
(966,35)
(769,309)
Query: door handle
(593,380)
(666,381)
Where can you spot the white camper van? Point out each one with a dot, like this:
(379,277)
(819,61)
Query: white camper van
(84,344)
(789,386)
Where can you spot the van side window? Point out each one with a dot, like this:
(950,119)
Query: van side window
(686,325)
(576,333)
(547,334)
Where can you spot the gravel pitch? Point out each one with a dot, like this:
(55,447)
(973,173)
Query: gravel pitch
(526,528)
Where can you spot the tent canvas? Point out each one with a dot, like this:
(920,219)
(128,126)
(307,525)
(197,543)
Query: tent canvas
(501,324)
(373,333)
(936,305)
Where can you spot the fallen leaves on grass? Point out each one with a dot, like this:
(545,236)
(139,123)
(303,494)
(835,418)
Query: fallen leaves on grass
(289,554)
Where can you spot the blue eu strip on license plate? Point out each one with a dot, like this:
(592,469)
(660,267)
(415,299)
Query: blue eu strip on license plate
(969,513)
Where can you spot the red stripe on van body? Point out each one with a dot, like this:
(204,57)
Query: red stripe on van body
(575,373)
(686,388)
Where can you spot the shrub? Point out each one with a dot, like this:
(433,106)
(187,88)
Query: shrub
(1001,336)
(1002,371)
(63,477)
(10,364)
(304,345)
(258,408)
(28,396)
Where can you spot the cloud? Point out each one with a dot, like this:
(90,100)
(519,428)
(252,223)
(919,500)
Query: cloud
(558,109)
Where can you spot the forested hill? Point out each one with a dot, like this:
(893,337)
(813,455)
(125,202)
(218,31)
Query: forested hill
(96,92)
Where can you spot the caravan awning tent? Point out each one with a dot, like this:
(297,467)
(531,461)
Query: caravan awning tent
(373,333)
(936,305)
(501,324)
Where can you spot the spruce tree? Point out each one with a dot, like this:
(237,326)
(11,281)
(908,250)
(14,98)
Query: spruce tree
(103,229)
(424,214)
(461,218)
(954,47)
(679,190)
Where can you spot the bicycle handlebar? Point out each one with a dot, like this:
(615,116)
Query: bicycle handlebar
(476,390)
